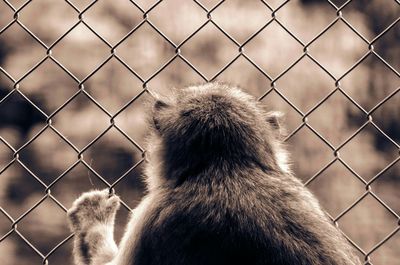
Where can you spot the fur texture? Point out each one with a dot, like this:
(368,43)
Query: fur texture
(220,192)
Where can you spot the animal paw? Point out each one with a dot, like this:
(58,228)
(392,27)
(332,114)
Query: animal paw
(92,208)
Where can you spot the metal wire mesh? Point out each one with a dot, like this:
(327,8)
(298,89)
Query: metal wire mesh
(178,47)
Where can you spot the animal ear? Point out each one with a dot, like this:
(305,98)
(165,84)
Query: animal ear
(274,118)
(160,101)
(160,104)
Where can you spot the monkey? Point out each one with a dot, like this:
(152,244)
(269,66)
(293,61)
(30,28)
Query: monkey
(220,191)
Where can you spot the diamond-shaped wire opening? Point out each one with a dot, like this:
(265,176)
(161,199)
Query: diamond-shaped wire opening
(77,180)
(368,215)
(273,49)
(336,110)
(336,188)
(254,12)
(370,82)
(48,156)
(120,156)
(363,156)
(50,25)
(113,19)
(185,19)
(113,85)
(25,50)
(310,155)
(209,50)
(45,82)
(145,51)
(80,45)
(52,230)
(338,48)
(307,22)
(304,79)
(132,120)
(251,79)
(81,121)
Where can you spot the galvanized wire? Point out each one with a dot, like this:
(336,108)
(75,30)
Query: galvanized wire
(241,53)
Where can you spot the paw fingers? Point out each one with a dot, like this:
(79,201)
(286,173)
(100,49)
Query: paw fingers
(113,203)
(94,206)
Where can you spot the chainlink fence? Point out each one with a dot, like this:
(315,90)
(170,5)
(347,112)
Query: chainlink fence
(13,83)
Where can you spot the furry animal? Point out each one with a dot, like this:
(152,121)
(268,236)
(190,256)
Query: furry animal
(220,192)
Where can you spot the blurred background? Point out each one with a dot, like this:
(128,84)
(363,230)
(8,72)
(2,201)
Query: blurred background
(75,77)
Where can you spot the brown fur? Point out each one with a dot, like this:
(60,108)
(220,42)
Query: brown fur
(220,192)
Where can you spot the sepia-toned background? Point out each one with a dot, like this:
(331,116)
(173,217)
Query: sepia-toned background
(75,76)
